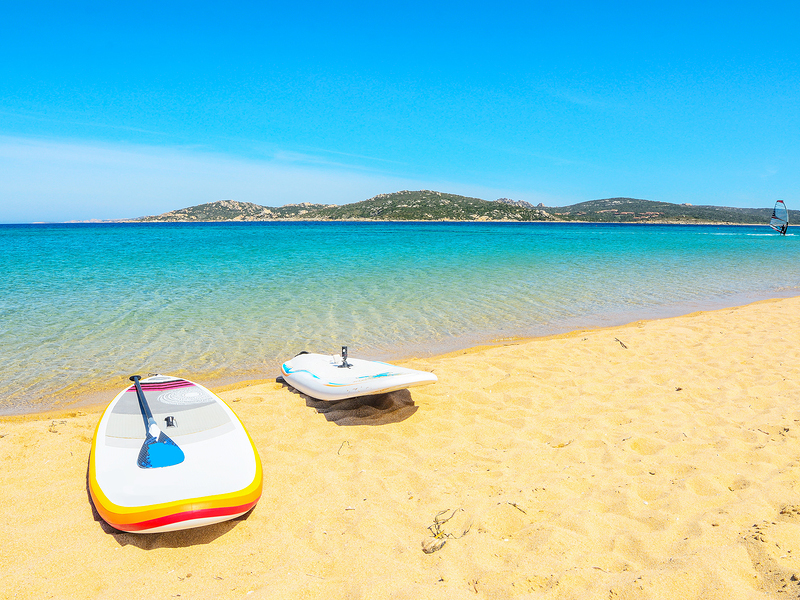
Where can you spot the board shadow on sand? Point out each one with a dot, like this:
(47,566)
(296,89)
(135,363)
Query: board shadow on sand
(376,409)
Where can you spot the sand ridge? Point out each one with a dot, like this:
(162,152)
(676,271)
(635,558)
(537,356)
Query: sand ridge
(659,459)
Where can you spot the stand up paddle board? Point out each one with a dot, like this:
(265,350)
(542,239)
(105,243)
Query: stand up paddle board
(327,377)
(201,468)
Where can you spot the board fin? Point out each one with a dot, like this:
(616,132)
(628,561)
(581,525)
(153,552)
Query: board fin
(345,364)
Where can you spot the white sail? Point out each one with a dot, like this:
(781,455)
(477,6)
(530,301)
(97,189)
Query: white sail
(780,218)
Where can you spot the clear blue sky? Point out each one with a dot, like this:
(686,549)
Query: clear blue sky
(112,110)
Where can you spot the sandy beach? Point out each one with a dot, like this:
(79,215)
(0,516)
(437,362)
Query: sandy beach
(660,459)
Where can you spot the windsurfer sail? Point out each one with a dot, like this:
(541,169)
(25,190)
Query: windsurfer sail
(780,218)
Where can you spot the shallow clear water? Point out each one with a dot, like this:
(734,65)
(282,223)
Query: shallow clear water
(85,305)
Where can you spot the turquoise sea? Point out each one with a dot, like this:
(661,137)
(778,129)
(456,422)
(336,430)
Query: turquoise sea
(85,305)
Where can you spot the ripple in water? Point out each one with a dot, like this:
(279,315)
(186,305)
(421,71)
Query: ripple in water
(87,305)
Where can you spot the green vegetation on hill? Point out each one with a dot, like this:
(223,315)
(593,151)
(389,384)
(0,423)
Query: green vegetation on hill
(232,210)
(631,210)
(426,205)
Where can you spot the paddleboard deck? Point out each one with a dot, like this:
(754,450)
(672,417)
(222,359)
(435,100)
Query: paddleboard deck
(323,376)
(220,477)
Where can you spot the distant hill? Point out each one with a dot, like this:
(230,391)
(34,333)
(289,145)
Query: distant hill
(632,210)
(232,210)
(426,205)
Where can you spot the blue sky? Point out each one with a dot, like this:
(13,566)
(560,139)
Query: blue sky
(113,110)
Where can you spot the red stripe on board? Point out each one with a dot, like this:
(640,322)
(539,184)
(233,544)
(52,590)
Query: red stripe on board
(160,385)
(189,515)
(167,385)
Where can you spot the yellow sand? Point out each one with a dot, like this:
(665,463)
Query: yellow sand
(655,460)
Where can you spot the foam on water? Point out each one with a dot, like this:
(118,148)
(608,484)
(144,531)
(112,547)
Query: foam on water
(84,306)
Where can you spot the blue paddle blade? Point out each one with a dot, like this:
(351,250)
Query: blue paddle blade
(161,452)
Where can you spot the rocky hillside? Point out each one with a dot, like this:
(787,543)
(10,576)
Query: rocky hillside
(231,210)
(426,205)
(423,205)
(632,210)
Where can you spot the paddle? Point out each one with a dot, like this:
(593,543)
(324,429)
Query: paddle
(158,449)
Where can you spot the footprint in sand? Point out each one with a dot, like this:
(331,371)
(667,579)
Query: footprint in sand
(772,547)
(645,446)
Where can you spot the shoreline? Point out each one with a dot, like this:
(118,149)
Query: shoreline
(656,459)
(557,222)
(99,396)
(97,399)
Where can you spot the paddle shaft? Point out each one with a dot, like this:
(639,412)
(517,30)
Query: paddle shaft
(147,414)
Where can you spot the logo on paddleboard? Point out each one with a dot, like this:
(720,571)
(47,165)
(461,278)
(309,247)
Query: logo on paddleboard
(185,396)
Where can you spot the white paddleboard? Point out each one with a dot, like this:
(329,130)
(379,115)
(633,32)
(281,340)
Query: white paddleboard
(219,478)
(325,377)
